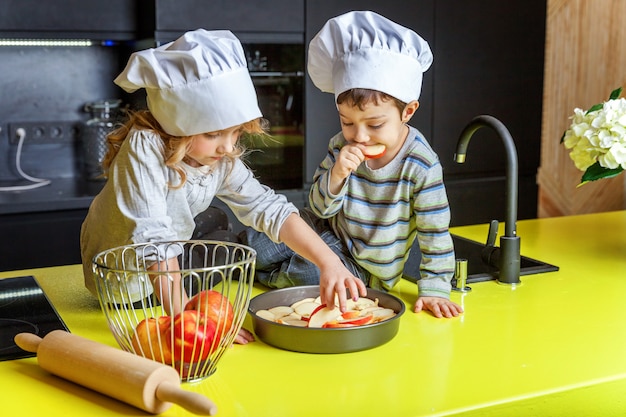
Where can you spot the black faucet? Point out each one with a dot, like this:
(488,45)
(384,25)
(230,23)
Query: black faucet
(508,257)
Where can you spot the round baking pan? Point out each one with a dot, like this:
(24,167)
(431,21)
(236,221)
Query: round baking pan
(319,340)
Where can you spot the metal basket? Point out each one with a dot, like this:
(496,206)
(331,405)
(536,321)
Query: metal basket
(178,317)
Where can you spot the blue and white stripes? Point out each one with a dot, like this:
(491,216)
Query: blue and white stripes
(379,214)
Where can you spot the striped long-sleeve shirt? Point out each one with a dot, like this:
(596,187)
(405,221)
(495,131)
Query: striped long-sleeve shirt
(379,213)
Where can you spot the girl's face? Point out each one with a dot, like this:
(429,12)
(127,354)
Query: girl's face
(376,123)
(209,148)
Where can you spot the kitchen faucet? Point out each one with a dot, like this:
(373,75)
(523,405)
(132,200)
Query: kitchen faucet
(507,258)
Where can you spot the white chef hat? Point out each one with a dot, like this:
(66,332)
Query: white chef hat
(196,84)
(362,49)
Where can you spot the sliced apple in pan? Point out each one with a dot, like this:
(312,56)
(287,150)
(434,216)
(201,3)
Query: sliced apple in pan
(353,322)
(350,314)
(280,311)
(383,314)
(368,310)
(363,303)
(359,321)
(267,315)
(305,309)
(304,300)
(290,321)
(335,324)
(322,315)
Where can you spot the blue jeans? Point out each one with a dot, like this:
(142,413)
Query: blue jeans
(277,266)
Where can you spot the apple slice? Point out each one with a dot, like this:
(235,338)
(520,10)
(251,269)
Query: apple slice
(267,315)
(304,300)
(290,321)
(383,314)
(350,314)
(305,309)
(323,314)
(334,324)
(371,309)
(363,303)
(358,321)
(281,311)
(374,151)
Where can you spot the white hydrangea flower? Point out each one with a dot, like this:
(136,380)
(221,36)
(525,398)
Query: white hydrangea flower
(598,136)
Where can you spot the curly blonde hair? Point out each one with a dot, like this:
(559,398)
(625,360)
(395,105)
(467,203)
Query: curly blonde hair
(174,148)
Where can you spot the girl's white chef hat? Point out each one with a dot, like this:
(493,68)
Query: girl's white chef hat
(196,84)
(363,49)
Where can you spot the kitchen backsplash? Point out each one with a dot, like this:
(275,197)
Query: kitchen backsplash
(51,85)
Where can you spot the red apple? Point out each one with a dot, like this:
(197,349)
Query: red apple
(374,151)
(151,339)
(194,336)
(214,306)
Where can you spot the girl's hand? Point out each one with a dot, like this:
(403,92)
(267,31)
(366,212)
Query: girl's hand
(244,337)
(440,307)
(335,280)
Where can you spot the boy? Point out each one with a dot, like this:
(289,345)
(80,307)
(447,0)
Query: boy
(381,185)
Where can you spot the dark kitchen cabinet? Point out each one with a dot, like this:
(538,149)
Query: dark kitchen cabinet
(33,240)
(261,21)
(53,19)
(488,60)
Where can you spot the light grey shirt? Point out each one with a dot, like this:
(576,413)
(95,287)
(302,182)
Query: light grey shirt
(137,206)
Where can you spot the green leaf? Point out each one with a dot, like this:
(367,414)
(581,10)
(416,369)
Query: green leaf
(615,93)
(595,107)
(597,172)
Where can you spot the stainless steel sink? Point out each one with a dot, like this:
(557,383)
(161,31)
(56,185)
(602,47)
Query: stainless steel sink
(477,269)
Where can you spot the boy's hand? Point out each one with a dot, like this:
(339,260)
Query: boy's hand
(349,159)
(440,307)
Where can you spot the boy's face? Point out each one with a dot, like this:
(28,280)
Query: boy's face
(377,123)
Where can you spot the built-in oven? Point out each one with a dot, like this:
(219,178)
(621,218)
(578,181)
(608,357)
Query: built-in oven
(277,71)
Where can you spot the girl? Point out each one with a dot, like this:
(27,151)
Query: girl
(167,163)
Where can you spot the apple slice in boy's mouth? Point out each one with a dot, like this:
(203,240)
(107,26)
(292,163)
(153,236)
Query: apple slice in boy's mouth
(374,151)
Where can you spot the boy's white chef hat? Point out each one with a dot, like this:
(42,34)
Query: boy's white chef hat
(362,49)
(196,84)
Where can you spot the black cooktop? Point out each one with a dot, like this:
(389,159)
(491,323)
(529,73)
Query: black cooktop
(24,307)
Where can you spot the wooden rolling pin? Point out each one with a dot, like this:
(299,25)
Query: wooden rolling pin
(135,380)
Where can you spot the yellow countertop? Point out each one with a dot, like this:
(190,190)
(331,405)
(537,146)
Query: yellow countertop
(554,345)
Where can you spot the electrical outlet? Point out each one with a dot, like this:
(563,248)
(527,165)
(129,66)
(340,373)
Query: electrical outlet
(43,132)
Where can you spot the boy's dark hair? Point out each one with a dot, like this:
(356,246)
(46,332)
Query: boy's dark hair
(361,96)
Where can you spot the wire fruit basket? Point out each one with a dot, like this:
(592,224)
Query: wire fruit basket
(180,303)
